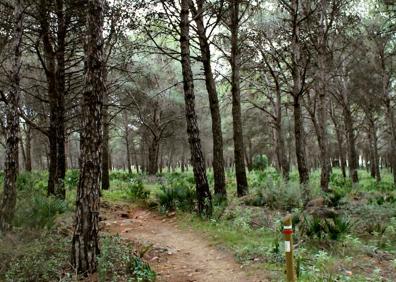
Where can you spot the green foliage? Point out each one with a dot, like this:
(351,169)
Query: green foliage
(276,195)
(35,210)
(32,181)
(71,178)
(260,162)
(179,197)
(136,190)
(118,263)
(379,198)
(338,182)
(373,218)
(121,175)
(322,228)
(39,259)
(336,195)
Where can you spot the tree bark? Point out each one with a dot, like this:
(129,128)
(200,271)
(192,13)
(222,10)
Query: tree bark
(202,186)
(126,138)
(280,140)
(8,203)
(298,135)
(60,99)
(54,65)
(105,147)
(353,161)
(28,148)
(218,156)
(374,162)
(322,81)
(341,151)
(297,92)
(85,244)
(240,170)
(153,152)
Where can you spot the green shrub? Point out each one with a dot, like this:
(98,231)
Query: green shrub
(338,182)
(277,195)
(42,259)
(121,175)
(322,228)
(380,198)
(118,263)
(37,210)
(166,199)
(136,190)
(335,196)
(260,162)
(71,178)
(179,197)
(32,181)
(373,217)
(25,181)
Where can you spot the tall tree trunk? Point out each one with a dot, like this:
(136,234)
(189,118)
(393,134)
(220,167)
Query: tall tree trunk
(8,203)
(298,135)
(28,148)
(126,138)
(85,244)
(374,150)
(353,159)
(153,156)
(248,156)
(322,81)
(55,72)
(60,99)
(391,122)
(105,147)
(240,170)
(202,186)
(22,148)
(297,92)
(322,132)
(280,140)
(341,152)
(339,137)
(218,156)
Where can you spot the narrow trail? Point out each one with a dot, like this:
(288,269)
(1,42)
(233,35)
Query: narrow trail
(176,255)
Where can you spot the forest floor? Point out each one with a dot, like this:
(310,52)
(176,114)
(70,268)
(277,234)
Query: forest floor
(175,253)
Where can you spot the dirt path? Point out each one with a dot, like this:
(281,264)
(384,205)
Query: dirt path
(176,255)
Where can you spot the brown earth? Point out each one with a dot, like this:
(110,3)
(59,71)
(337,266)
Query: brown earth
(176,255)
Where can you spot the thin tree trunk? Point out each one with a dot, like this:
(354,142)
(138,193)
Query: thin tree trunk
(353,161)
(105,147)
(373,146)
(85,244)
(218,156)
(322,133)
(153,156)
(23,151)
(8,203)
(28,146)
(391,122)
(297,92)
(240,170)
(126,138)
(60,99)
(202,186)
(280,141)
(298,135)
(55,73)
(341,152)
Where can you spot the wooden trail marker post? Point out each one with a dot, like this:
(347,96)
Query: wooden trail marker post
(288,232)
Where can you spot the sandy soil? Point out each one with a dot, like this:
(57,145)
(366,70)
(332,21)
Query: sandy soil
(177,255)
